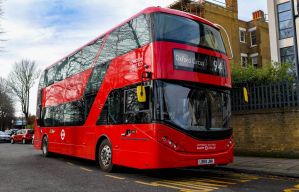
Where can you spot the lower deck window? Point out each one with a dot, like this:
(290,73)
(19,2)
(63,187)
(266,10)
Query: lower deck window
(122,107)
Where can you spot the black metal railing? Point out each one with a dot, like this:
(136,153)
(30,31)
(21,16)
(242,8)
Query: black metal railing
(266,96)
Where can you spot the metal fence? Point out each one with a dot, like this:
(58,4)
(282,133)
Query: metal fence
(266,96)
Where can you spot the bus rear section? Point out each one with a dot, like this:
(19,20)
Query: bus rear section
(153,93)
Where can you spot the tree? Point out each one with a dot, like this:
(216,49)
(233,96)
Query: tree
(6,105)
(271,73)
(21,79)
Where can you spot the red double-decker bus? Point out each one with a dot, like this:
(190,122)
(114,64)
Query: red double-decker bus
(151,93)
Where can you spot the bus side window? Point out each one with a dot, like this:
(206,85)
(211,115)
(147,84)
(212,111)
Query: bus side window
(122,107)
(115,107)
(103,118)
(51,75)
(73,114)
(136,112)
(112,112)
(47,117)
(60,72)
(41,85)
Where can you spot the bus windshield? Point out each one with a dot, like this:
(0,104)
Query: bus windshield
(183,30)
(194,108)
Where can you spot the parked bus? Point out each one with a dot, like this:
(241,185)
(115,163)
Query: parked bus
(154,92)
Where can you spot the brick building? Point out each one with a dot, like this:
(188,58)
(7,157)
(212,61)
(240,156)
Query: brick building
(249,39)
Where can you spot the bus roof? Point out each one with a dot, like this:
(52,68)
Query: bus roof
(177,12)
(144,11)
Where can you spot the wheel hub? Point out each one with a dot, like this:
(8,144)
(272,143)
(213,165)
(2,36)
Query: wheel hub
(106,155)
(44,149)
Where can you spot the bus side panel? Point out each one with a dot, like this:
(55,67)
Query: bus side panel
(132,150)
(37,136)
(136,146)
(90,141)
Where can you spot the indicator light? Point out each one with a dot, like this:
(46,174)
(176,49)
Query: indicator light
(164,139)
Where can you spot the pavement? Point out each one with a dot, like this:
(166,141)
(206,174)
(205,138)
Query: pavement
(261,165)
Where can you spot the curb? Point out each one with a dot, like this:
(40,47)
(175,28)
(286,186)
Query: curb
(259,171)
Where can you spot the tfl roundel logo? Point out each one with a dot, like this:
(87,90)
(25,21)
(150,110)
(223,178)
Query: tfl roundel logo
(62,134)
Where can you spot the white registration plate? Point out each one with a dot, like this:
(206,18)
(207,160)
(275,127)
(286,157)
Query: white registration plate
(206,161)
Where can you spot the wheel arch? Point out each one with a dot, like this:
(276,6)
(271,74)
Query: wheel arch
(44,135)
(100,140)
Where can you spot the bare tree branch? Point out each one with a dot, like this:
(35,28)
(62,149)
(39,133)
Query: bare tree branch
(21,79)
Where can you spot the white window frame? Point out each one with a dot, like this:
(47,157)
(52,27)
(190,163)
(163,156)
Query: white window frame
(241,29)
(244,55)
(250,31)
(252,56)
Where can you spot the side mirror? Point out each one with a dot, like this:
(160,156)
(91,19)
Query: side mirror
(229,44)
(141,94)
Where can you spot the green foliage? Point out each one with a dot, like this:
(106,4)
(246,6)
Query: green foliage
(272,73)
(31,126)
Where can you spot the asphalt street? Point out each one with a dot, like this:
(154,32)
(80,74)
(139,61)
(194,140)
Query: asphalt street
(24,169)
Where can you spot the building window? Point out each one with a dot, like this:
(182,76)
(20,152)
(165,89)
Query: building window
(254,59)
(287,55)
(242,33)
(244,60)
(253,38)
(285,20)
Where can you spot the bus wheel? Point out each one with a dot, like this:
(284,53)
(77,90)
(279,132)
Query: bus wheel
(45,147)
(12,141)
(23,141)
(104,156)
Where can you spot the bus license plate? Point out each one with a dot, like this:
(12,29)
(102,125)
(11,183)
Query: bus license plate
(206,161)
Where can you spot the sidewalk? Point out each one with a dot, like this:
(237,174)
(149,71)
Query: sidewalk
(261,165)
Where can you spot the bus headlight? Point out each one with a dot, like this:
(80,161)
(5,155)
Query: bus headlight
(170,143)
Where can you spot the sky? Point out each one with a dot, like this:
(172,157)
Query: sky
(47,30)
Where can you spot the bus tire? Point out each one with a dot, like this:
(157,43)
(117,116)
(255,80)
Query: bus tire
(23,141)
(104,156)
(45,151)
(12,141)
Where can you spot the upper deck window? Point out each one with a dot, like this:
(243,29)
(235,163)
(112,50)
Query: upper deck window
(131,35)
(183,30)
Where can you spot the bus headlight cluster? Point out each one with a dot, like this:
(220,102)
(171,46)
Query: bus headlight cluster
(169,142)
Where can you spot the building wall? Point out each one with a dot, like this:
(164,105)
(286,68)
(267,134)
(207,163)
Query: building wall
(263,43)
(229,20)
(227,16)
(275,42)
(267,132)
